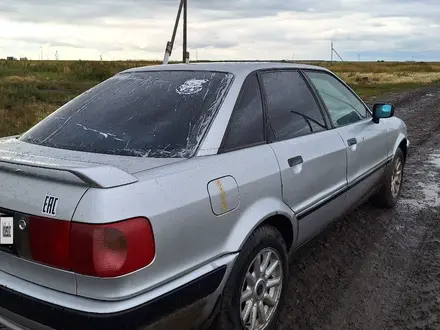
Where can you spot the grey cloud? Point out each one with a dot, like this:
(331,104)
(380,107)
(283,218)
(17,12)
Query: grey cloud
(70,44)
(95,13)
(153,48)
(44,41)
(216,43)
(91,12)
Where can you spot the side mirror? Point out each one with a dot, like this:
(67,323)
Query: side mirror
(382,110)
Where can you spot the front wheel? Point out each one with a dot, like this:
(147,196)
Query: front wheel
(388,195)
(255,290)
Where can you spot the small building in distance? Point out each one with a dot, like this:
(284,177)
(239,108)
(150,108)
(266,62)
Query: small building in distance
(10,58)
(23,58)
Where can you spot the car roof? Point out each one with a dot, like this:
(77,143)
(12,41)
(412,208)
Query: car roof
(232,67)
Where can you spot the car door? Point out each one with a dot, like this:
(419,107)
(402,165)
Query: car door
(365,141)
(312,159)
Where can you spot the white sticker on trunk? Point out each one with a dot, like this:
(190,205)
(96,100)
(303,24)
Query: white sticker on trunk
(6,231)
(192,86)
(50,205)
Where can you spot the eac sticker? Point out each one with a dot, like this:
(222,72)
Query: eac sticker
(50,205)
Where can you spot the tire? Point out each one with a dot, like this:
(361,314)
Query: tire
(265,241)
(388,196)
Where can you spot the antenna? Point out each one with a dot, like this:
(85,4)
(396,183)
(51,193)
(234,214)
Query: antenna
(333,50)
(56,55)
(170,44)
(41,51)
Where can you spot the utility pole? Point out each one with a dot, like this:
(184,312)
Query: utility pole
(185,31)
(331,51)
(334,51)
(170,44)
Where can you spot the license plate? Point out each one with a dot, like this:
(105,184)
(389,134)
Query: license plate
(6,230)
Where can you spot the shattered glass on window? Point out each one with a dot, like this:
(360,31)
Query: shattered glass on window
(160,114)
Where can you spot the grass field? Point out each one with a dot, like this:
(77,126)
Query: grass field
(30,90)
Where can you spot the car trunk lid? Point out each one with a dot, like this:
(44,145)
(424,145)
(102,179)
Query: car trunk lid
(39,182)
(13,148)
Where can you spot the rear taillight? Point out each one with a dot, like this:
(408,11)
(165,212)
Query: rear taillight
(113,249)
(107,250)
(49,241)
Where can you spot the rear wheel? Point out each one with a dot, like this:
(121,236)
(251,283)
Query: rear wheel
(256,286)
(388,195)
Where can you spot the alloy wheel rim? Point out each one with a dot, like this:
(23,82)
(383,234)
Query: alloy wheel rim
(261,290)
(396,178)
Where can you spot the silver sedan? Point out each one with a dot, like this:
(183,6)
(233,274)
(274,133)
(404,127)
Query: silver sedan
(173,195)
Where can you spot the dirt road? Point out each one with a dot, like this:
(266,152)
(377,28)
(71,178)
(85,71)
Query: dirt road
(379,269)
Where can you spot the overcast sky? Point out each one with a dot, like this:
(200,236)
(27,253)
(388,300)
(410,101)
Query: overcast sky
(222,29)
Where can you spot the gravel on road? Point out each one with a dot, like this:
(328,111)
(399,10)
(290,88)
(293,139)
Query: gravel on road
(379,269)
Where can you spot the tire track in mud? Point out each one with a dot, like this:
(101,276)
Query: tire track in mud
(420,304)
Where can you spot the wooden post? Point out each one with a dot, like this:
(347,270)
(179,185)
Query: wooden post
(185,30)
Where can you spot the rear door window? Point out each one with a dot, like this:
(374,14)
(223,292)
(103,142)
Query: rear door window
(158,114)
(291,107)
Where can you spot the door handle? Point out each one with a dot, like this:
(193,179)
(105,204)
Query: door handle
(295,161)
(352,141)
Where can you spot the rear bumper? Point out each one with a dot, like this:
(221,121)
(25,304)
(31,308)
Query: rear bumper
(19,311)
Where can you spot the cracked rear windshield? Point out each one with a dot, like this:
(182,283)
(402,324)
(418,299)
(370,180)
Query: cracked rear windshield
(158,114)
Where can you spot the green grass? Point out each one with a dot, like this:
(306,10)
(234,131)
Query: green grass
(382,89)
(30,90)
